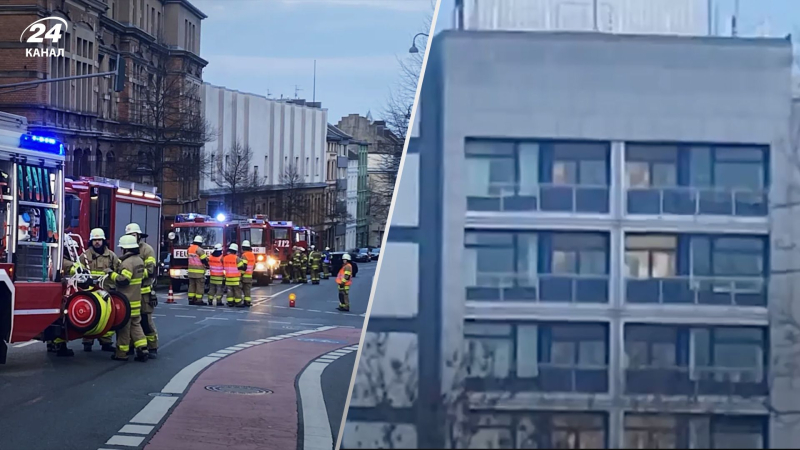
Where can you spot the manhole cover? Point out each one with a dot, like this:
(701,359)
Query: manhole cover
(160,394)
(241,390)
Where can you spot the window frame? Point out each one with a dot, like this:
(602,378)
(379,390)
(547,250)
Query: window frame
(695,371)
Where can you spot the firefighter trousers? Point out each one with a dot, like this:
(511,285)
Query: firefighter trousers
(234,294)
(131,335)
(326,271)
(344,297)
(247,286)
(300,273)
(315,274)
(104,339)
(196,288)
(215,291)
(286,273)
(148,324)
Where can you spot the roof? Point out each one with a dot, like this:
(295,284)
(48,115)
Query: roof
(336,134)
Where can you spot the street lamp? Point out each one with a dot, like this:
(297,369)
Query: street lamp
(414,48)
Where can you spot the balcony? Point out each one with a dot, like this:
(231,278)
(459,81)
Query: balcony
(563,378)
(511,197)
(695,290)
(686,381)
(540,288)
(688,201)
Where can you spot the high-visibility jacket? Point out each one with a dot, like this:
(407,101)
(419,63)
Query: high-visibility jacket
(250,258)
(345,273)
(315,259)
(128,279)
(216,269)
(196,257)
(231,263)
(148,256)
(98,264)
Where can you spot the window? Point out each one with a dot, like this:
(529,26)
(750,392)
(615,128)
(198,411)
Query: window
(650,256)
(580,164)
(649,346)
(255,175)
(727,354)
(651,431)
(647,166)
(579,254)
(575,346)
(646,431)
(728,256)
(308,167)
(266,167)
(538,430)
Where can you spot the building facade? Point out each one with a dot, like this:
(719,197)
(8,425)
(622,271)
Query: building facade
(338,143)
(106,133)
(362,208)
(287,139)
(352,199)
(612,270)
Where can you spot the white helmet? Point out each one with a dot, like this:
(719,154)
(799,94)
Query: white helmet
(346,257)
(133,228)
(245,243)
(198,239)
(127,241)
(233,247)
(97,233)
(302,249)
(327,249)
(218,247)
(313,247)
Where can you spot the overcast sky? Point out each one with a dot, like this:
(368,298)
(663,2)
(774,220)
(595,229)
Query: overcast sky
(262,46)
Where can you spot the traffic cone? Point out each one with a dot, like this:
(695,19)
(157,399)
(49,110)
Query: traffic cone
(170,297)
(292,298)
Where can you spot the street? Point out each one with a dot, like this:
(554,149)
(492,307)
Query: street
(91,402)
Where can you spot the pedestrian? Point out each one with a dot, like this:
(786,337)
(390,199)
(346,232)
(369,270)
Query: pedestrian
(233,277)
(326,263)
(343,280)
(198,263)
(247,276)
(128,279)
(149,299)
(100,261)
(314,260)
(217,275)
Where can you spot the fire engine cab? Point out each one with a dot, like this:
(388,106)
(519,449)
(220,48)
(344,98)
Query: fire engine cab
(304,237)
(259,232)
(282,240)
(214,230)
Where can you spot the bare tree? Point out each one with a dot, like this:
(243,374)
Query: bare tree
(236,174)
(294,201)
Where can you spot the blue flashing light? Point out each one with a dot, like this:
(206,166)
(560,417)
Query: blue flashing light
(41,143)
(220,217)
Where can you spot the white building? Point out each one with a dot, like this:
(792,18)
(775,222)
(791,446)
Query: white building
(352,197)
(281,134)
(681,17)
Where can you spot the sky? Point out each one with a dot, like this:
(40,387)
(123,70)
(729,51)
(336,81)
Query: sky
(269,47)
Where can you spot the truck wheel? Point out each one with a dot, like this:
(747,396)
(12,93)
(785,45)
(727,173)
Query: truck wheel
(83,311)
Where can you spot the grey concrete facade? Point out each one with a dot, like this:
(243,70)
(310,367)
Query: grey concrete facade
(587,87)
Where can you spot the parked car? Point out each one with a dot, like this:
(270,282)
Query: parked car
(362,255)
(336,263)
(376,252)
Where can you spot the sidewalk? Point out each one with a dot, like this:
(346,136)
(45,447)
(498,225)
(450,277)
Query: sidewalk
(249,418)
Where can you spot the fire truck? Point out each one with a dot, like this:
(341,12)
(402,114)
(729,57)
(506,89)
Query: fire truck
(304,237)
(215,230)
(283,240)
(96,202)
(33,304)
(259,232)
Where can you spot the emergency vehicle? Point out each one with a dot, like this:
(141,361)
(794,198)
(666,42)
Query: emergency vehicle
(215,230)
(282,240)
(305,237)
(33,304)
(96,202)
(259,232)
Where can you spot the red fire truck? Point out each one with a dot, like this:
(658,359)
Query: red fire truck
(304,237)
(214,230)
(111,205)
(259,232)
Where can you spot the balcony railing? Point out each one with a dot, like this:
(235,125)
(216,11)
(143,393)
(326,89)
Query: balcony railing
(539,288)
(688,201)
(511,197)
(727,291)
(590,379)
(685,381)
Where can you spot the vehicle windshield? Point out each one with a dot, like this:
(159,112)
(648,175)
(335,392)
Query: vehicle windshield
(300,236)
(363,250)
(280,233)
(185,235)
(376,250)
(257,237)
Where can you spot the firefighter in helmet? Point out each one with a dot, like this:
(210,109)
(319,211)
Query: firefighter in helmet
(326,263)
(343,281)
(198,263)
(303,270)
(233,266)
(296,264)
(217,275)
(149,299)
(314,261)
(247,277)
(128,278)
(100,261)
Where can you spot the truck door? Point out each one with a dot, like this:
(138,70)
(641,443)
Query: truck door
(100,210)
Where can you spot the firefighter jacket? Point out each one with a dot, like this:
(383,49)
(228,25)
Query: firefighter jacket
(148,255)
(297,258)
(344,278)
(128,278)
(98,264)
(315,259)
(232,264)
(198,261)
(216,268)
(250,258)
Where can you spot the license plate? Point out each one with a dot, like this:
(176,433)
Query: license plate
(180,253)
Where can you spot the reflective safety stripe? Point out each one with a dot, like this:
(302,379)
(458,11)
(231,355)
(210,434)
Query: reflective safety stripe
(147,290)
(140,343)
(149,260)
(151,337)
(144,274)
(204,256)
(136,281)
(127,273)
(197,271)
(124,348)
(232,281)
(136,304)
(109,334)
(248,275)
(97,273)
(114,276)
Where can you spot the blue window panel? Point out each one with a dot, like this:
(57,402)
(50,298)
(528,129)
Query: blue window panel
(644,201)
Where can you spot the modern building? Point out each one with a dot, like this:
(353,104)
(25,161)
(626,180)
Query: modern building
(337,172)
(288,143)
(679,17)
(106,133)
(362,209)
(590,248)
(352,199)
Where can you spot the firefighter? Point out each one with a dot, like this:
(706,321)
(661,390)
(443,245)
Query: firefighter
(217,275)
(59,344)
(99,260)
(283,267)
(314,261)
(296,265)
(198,263)
(326,263)
(149,299)
(247,276)
(232,265)
(303,271)
(128,278)
(343,280)
(286,267)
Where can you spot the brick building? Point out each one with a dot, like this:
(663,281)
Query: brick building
(105,132)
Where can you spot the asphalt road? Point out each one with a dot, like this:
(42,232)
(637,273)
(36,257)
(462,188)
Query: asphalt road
(79,403)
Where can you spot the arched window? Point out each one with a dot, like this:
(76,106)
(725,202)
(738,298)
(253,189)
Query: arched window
(110,164)
(85,167)
(77,159)
(98,162)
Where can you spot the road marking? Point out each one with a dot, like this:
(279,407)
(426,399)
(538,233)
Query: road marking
(25,344)
(154,411)
(312,324)
(125,441)
(329,359)
(314,310)
(181,380)
(187,317)
(261,313)
(234,349)
(285,290)
(136,429)
(275,321)
(159,315)
(217,355)
(180,308)
(276,306)
(316,426)
(330,312)
(225,352)
(248,320)
(208,309)
(216,318)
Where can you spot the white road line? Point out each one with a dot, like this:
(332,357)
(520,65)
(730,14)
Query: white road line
(285,290)
(275,321)
(276,306)
(136,429)
(312,324)
(330,312)
(181,380)
(314,310)
(214,318)
(25,344)
(316,426)
(159,315)
(326,359)
(154,411)
(225,352)
(261,313)
(187,317)
(179,308)
(217,355)
(126,441)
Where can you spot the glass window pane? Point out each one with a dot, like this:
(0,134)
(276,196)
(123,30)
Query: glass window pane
(502,173)
(636,353)
(739,154)
(565,172)
(737,356)
(489,239)
(470,266)
(527,254)
(663,354)
(651,153)
(528,169)
(579,241)
(488,358)
(592,262)
(740,244)
(734,440)
(737,264)
(593,439)
(700,347)
(592,353)
(478,176)
(650,242)
(637,264)
(491,148)
(563,353)
(739,175)
(637,174)
(527,350)
(564,262)
(665,175)
(701,166)
(663,264)
(487,329)
(755,335)
(593,173)
(701,256)
(495,260)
